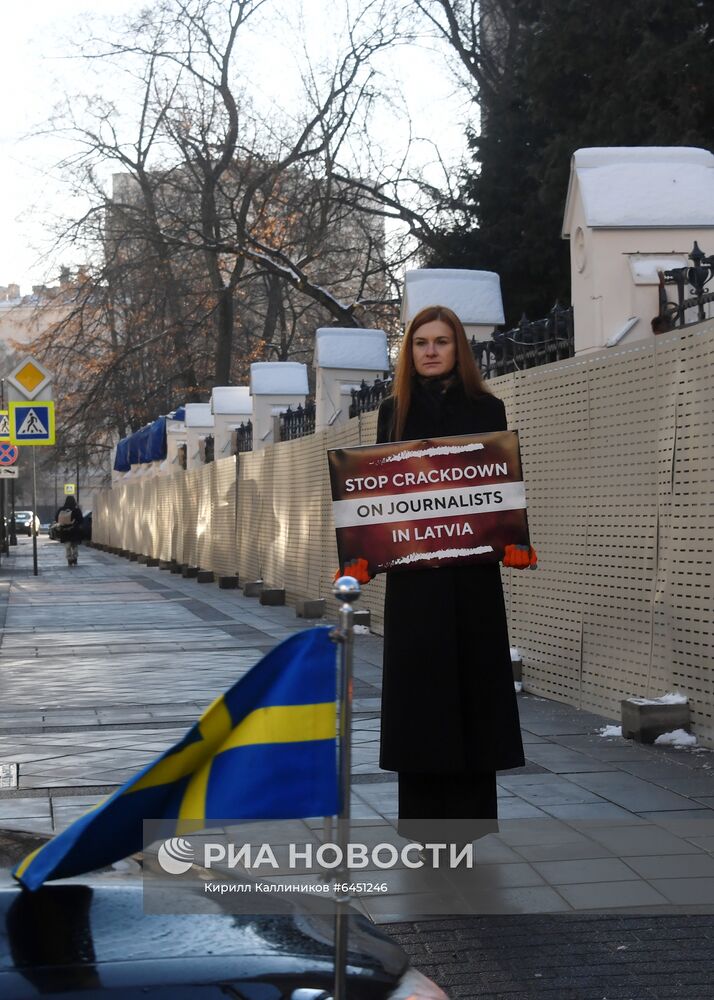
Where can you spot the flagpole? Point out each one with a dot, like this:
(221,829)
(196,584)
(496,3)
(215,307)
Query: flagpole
(346,590)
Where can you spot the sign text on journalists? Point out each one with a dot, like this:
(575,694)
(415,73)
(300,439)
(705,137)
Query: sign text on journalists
(429,503)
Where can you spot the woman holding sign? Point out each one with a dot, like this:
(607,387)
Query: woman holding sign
(449,712)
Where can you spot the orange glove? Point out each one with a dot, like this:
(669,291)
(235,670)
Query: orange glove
(520,556)
(358,568)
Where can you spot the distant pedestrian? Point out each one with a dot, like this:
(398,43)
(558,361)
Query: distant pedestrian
(449,713)
(69,520)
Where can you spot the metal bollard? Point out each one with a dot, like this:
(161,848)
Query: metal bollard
(347,590)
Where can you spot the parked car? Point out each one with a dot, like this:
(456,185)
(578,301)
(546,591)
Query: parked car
(92,938)
(26,522)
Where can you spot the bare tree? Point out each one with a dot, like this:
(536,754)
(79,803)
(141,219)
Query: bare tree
(227,235)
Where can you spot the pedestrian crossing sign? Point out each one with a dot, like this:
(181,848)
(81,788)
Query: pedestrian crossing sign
(4,426)
(32,423)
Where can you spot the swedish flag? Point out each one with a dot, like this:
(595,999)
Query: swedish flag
(267,749)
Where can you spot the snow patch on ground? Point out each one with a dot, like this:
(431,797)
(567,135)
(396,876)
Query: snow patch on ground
(611,731)
(518,685)
(360,630)
(677,738)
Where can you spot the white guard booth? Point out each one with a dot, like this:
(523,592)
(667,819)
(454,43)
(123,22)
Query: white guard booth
(274,386)
(231,406)
(344,356)
(475,297)
(631,212)
(199,424)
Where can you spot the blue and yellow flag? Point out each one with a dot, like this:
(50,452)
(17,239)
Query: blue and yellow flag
(267,749)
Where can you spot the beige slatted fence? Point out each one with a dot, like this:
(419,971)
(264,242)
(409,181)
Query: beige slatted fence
(618,457)
(223,556)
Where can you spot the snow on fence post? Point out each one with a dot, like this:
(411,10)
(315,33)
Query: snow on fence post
(344,356)
(630,213)
(274,385)
(231,406)
(475,297)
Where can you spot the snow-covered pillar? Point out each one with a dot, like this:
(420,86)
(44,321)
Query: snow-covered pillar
(199,423)
(274,386)
(475,297)
(344,356)
(631,212)
(231,406)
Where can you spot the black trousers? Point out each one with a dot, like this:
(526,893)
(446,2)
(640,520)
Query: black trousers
(451,807)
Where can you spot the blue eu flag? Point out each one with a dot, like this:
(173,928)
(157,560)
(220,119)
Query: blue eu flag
(266,749)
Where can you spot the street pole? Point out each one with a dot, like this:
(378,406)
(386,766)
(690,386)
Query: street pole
(34,509)
(5,540)
(347,590)
(13,532)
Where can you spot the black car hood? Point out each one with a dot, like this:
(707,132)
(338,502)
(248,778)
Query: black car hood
(77,939)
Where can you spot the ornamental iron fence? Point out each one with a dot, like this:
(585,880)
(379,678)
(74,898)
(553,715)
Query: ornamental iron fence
(696,278)
(297,423)
(368,397)
(530,344)
(242,438)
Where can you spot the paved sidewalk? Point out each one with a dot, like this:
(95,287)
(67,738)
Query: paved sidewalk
(604,858)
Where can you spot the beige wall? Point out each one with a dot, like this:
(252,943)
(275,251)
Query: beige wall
(618,455)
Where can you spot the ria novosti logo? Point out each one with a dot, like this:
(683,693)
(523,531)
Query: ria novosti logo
(176,856)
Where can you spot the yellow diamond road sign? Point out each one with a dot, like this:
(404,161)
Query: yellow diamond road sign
(29,377)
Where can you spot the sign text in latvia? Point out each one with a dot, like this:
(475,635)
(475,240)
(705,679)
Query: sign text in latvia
(429,503)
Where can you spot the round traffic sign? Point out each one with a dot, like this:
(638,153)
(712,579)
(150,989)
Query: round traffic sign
(8,453)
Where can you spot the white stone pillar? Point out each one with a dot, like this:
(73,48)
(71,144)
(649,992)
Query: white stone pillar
(274,386)
(231,406)
(199,423)
(344,356)
(632,211)
(175,436)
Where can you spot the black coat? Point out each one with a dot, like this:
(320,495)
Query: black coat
(72,532)
(448,701)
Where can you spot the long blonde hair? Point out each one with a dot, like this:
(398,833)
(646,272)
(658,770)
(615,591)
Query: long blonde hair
(466,369)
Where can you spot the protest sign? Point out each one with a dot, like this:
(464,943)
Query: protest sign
(429,503)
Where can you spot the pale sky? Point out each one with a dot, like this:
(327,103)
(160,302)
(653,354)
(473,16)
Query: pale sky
(36,69)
